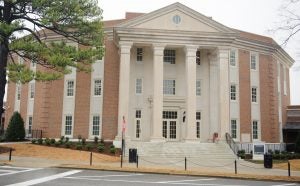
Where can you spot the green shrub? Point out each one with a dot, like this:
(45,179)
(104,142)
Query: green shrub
(62,138)
(40,141)
(47,141)
(78,146)
(68,144)
(67,139)
(277,152)
(96,139)
(89,146)
(79,138)
(60,142)
(101,147)
(15,130)
(83,141)
(52,141)
(112,149)
(57,143)
(102,141)
(33,141)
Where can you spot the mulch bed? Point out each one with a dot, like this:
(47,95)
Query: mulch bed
(4,150)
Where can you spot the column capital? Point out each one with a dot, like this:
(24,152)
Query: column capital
(125,47)
(190,50)
(158,48)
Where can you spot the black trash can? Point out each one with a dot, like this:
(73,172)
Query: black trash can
(132,155)
(268,161)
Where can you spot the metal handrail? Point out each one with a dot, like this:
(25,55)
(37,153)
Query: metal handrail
(232,144)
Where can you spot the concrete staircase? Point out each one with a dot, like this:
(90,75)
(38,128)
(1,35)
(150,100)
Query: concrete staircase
(204,151)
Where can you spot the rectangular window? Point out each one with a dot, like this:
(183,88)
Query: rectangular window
(70,88)
(32,89)
(233,128)
(139,54)
(29,124)
(198,87)
(169,56)
(169,87)
(198,59)
(138,116)
(253,62)
(232,58)
(138,86)
(198,124)
(255,129)
(68,125)
(169,114)
(233,92)
(18,91)
(96,125)
(254,94)
(97,87)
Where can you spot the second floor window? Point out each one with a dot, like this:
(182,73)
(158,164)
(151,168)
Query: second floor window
(198,59)
(198,88)
(32,87)
(139,54)
(232,58)
(253,62)
(18,91)
(138,86)
(169,56)
(97,87)
(254,94)
(70,88)
(233,92)
(169,87)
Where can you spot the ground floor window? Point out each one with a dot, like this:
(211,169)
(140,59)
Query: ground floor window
(233,128)
(138,116)
(68,125)
(29,124)
(198,121)
(169,127)
(255,129)
(96,125)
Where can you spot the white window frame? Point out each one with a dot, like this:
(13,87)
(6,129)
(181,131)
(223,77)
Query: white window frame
(231,128)
(31,90)
(233,94)
(253,64)
(139,87)
(167,87)
(94,127)
(70,90)
(30,121)
(169,56)
(232,58)
(257,132)
(97,92)
(198,128)
(138,123)
(139,55)
(254,97)
(71,126)
(198,87)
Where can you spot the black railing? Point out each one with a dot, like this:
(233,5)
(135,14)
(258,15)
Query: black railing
(234,147)
(29,134)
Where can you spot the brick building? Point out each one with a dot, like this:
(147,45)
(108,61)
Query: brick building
(174,75)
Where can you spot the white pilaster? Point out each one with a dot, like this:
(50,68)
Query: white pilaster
(158,51)
(124,86)
(190,67)
(224,91)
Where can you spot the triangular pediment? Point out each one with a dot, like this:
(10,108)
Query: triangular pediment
(176,17)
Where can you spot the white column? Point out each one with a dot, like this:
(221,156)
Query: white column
(213,94)
(190,67)
(224,91)
(158,70)
(124,86)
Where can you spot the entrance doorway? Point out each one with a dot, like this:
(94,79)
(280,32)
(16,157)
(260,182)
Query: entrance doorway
(170,125)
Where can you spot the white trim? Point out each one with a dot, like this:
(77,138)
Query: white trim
(64,126)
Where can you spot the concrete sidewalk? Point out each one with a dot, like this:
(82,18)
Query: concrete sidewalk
(245,170)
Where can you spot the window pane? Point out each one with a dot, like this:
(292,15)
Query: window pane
(198,88)
(138,128)
(32,87)
(96,125)
(18,91)
(232,58)
(29,124)
(198,57)
(139,54)
(68,125)
(97,87)
(233,128)
(233,92)
(255,129)
(70,88)
(138,86)
(169,87)
(169,56)
(169,114)
(253,62)
(254,94)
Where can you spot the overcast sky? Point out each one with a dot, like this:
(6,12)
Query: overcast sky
(257,16)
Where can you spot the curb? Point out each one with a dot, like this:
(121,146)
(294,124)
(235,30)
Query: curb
(294,179)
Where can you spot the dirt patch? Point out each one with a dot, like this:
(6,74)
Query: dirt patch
(31,150)
(295,165)
(4,149)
